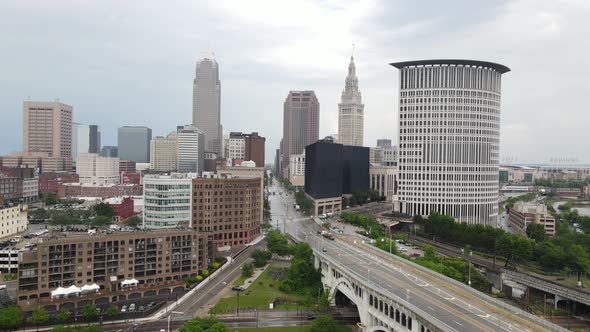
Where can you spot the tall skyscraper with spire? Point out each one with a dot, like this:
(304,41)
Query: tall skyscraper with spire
(207,102)
(351,110)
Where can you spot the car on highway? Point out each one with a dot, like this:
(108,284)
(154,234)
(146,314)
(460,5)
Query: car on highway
(324,250)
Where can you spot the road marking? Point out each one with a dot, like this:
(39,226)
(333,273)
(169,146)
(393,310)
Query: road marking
(458,323)
(431,308)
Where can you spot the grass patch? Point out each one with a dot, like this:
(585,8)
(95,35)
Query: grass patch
(240,281)
(260,293)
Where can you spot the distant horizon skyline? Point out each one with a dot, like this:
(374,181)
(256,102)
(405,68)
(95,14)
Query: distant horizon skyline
(115,68)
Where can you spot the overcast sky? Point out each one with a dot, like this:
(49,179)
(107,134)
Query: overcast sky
(132,62)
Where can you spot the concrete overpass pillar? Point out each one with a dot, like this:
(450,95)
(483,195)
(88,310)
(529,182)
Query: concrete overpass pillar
(557,299)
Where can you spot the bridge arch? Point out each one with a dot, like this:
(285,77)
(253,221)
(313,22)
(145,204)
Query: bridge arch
(376,329)
(345,287)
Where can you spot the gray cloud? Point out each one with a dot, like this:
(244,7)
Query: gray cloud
(132,63)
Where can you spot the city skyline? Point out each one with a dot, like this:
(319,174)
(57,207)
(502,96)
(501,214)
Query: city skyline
(534,124)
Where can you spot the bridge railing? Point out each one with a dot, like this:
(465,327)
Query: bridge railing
(516,311)
(549,286)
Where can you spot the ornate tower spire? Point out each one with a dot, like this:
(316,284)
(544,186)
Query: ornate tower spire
(351,109)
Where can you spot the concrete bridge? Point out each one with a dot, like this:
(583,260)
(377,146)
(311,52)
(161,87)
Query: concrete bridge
(394,294)
(513,278)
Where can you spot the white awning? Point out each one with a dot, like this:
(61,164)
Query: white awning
(59,291)
(73,290)
(130,282)
(90,288)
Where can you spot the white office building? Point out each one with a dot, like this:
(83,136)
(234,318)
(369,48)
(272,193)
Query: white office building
(94,169)
(297,170)
(167,199)
(448,139)
(191,149)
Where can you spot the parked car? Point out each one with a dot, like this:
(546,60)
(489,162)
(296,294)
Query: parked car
(237,288)
(151,304)
(312,317)
(132,307)
(141,308)
(124,308)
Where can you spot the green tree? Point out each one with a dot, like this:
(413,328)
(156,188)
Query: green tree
(132,221)
(429,252)
(11,317)
(104,209)
(550,256)
(89,313)
(203,325)
(112,311)
(63,315)
(514,248)
(323,323)
(40,214)
(261,257)
(50,198)
(247,270)
(277,243)
(577,258)
(100,221)
(536,232)
(4,297)
(39,317)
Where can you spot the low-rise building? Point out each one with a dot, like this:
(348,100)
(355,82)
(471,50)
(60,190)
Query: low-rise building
(524,213)
(13,220)
(130,178)
(98,190)
(167,200)
(384,180)
(124,265)
(122,207)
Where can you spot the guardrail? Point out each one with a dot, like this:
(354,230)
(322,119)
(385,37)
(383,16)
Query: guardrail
(520,313)
(547,286)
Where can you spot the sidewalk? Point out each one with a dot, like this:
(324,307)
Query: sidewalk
(254,276)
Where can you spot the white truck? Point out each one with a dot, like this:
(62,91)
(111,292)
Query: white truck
(297,207)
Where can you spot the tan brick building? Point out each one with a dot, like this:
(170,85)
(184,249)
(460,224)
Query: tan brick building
(157,260)
(229,207)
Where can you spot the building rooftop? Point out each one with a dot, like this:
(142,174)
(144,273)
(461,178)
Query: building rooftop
(114,200)
(474,63)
